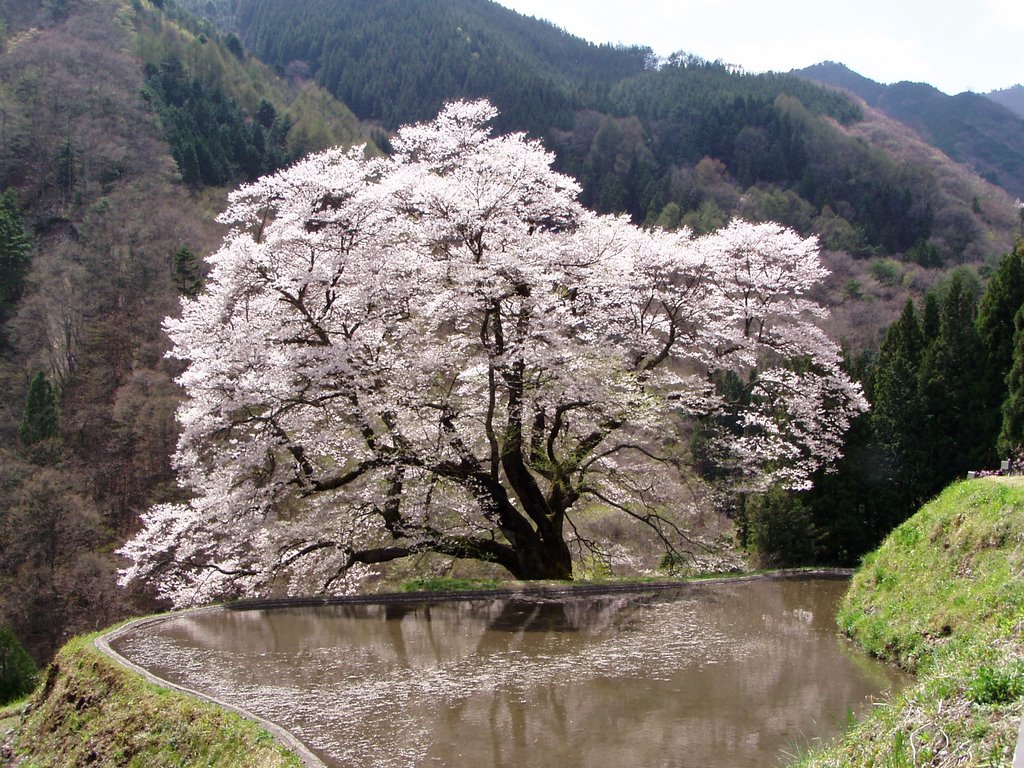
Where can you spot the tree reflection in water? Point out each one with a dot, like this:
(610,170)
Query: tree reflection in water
(707,675)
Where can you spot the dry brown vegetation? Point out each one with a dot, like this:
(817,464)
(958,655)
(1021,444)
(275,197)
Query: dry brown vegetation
(103,197)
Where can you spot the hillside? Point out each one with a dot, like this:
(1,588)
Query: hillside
(396,61)
(95,179)
(1012,98)
(99,195)
(90,711)
(978,131)
(943,597)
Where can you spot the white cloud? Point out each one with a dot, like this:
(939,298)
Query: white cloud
(1005,13)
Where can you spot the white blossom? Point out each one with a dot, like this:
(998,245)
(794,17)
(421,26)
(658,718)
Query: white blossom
(443,350)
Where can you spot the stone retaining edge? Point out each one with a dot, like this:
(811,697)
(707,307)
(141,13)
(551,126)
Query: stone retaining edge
(545,591)
(283,736)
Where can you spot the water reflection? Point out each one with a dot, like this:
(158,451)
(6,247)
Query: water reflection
(723,675)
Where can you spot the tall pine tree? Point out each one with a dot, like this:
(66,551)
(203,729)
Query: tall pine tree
(185,272)
(1011,435)
(996,332)
(15,255)
(897,412)
(40,428)
(950,390)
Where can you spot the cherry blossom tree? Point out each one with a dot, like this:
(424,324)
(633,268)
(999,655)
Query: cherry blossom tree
(443,351)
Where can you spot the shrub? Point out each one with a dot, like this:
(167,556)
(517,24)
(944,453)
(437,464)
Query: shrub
(886,271)
(781,531)
(17,671)
(997,686)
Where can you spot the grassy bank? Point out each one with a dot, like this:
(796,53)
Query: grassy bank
(90,711)
(943,597)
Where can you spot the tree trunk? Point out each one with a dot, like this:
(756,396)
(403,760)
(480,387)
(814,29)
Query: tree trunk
(542,558)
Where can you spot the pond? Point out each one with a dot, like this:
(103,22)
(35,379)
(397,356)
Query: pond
(723,674)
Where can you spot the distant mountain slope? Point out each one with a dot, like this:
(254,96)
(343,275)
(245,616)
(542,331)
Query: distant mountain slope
(831,73)
(227,117)
(683,142)
(969,127)
(395,61)
(1012,98)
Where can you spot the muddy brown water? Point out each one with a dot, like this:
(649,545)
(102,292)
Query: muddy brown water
(735,674)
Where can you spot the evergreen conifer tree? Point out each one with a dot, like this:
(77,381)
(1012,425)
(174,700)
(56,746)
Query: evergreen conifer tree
(897,410)
(1011,436)
(40,423)
(189,165)
(185,272)
(996,312)
(949,389)
(930,317)
(998,307)
(15,254)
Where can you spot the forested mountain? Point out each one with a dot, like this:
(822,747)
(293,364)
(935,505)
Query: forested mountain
(395,61)
(124,122)
(969,127)
(682,141)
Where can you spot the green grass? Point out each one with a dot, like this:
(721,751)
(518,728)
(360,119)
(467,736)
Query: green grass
(461,584)
(943,597)
(90,711)
(449,584)
(10,716)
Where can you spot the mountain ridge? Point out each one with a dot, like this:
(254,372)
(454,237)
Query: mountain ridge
(1012,98)
(972,128)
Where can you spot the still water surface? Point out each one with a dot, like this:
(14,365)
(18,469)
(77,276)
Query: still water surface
(735,674)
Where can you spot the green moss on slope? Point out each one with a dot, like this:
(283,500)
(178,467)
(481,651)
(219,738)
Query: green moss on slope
(90,711)
(944,597)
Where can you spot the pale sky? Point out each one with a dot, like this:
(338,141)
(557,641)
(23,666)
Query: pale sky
(954,45)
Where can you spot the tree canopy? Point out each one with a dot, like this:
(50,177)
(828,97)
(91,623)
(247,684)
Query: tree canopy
(444,351)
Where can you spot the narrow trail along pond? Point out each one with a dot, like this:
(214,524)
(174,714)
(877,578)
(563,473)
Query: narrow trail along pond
(703,675)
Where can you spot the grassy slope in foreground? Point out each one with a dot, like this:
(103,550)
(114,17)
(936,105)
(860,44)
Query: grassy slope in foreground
(944,597)
(90,711)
